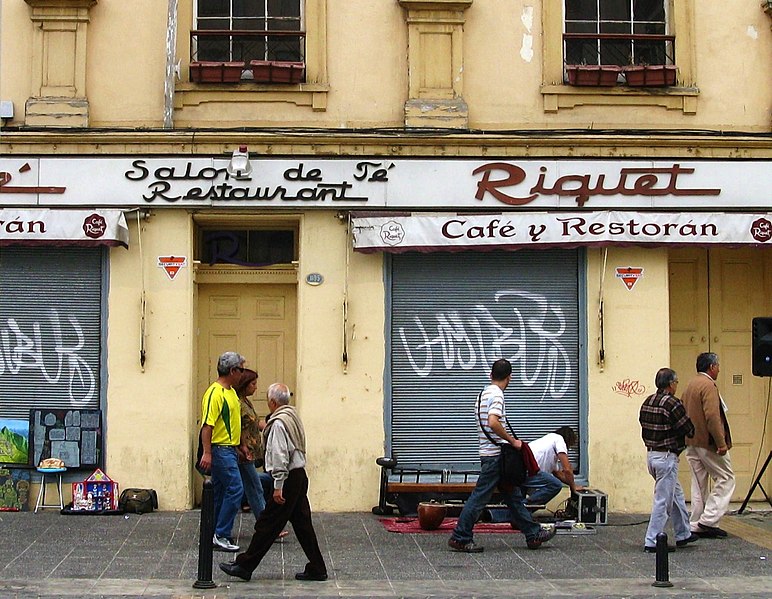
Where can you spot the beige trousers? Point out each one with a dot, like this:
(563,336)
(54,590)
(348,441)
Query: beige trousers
(709,505)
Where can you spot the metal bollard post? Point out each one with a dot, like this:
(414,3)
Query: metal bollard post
(205,538)
(663,576)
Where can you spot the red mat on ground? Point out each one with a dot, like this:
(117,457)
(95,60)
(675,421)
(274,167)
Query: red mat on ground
(411,526)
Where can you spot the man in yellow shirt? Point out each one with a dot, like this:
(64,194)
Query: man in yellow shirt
(221,438)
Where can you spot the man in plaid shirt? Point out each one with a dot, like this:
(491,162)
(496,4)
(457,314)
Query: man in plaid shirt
(664,426)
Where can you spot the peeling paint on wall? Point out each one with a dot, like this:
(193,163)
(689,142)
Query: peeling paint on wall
(526,49)
(752,32)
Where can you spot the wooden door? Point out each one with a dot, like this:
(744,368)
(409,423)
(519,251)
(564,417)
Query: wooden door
(714,296)
(258,321)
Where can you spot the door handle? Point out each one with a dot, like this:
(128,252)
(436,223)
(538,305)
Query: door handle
(703,339)
(715,339)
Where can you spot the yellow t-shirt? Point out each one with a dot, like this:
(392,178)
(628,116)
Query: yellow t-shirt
(221,410)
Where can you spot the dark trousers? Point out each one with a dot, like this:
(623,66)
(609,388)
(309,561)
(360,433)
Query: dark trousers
(295,510)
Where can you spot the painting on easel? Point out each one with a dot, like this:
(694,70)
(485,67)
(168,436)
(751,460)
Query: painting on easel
(14,441)
(71,435)
(14,489)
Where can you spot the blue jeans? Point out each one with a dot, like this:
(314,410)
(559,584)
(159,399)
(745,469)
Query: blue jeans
(542,487)
(253,487)
(669,500)
(481,496)
(227,487)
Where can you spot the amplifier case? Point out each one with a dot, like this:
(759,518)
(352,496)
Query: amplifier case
(589,506)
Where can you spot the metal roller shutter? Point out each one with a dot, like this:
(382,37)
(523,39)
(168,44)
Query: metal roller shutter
(50,329)
(452,315)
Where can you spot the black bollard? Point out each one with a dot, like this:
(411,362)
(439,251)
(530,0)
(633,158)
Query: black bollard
(205,539)
(663,576)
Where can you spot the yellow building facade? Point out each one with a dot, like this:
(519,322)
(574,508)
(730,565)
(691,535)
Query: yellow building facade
(431,187)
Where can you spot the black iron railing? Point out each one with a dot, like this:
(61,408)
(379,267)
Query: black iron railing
(231,45)
(618,49)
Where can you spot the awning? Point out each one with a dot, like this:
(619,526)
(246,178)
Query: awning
(63,227)
(452,232)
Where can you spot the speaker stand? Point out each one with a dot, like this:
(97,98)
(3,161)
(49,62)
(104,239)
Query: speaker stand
(757,483)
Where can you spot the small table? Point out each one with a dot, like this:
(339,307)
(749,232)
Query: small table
(45,472)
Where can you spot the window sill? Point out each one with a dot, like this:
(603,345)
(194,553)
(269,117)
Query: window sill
(300,94)
(558,97)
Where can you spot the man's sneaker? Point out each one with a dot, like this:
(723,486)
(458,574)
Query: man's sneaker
(224,544)
(469,547)
(710,532)
(544,535)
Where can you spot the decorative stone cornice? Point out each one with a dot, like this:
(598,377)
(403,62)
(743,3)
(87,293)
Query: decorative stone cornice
(521,143)
(435,11)
(64,10)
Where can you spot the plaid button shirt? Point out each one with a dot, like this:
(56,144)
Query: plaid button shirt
(664,423)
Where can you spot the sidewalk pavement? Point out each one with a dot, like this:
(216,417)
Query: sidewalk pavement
(156,555)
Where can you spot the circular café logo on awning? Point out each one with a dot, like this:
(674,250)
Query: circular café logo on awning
(761,230)
(392,233)
(94,226)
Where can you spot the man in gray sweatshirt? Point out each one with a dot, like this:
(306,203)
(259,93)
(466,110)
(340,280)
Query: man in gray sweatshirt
(285,459)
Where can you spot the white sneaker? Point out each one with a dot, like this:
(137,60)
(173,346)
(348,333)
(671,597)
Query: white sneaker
(224,544)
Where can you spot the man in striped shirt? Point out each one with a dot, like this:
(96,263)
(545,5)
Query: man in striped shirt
(491,415)
(664,426)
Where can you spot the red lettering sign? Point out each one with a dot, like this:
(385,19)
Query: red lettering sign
(638,181)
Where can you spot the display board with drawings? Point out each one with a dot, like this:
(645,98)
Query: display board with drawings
(74,436)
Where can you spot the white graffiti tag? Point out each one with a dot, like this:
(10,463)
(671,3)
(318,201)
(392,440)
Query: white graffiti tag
(57,358)
(475,338)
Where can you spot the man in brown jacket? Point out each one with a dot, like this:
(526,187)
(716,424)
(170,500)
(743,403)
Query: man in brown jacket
(708,450)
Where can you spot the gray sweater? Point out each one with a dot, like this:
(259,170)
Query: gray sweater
(285,445)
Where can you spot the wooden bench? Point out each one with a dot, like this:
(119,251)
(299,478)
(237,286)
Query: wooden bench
(406,494)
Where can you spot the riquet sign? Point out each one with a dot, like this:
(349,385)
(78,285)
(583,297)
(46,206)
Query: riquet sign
(381,183)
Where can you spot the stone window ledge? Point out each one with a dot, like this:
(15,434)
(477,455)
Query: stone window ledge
(301,94)
(557,97)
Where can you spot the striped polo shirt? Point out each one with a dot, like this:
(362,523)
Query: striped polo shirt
(491,401)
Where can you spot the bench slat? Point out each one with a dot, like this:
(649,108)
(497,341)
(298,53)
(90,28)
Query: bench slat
(429,487)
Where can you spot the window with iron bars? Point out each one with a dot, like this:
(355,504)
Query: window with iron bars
(617,32)
(247,30)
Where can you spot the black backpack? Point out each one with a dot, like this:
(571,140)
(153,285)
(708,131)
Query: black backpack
(138,501)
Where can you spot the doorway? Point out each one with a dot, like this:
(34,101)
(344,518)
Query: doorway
(256,320)
(714,295)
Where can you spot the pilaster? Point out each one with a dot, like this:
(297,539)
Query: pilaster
(436,63)
(58,94)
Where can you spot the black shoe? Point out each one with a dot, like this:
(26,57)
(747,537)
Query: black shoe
(711,532)
(469,547)
(233,569)
(647,549)
(690,539)
(310,576)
